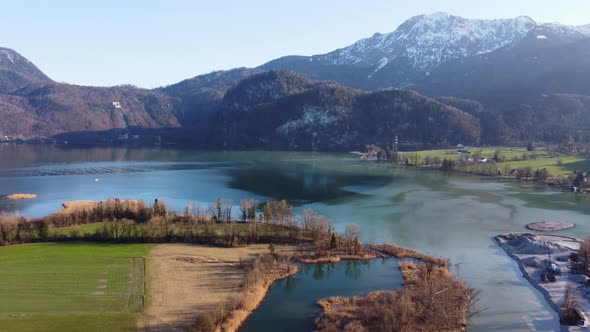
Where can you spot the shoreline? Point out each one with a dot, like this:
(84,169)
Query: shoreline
(239,316)
(253,299)
(404,308)
(527,276)
(551,181)
(119,222)
(553,293)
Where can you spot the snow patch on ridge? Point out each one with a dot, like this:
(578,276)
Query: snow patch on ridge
(565,30)
(382,63)
(427,41)
(583,29)
(312,117)
(8,56)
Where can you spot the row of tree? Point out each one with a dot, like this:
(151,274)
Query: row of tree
(135,221)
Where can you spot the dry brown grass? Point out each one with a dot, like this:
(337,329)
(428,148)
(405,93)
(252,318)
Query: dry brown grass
(73,207)
(432,300)
(400,252)
(309,257)
(415,273)
(76,206)
(19,196)
(186,280)
(254,292)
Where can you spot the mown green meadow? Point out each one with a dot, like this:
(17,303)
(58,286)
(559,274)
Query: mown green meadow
(512,157)
(71,286)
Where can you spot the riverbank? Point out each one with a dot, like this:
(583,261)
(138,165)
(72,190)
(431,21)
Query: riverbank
(432,299)
(217,286)
(205,302)
(263,273)
(536,255)
(547,165)
(195,287)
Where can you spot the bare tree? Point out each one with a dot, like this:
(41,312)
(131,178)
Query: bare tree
(569,306)
(318,225)
(244,208)
(352,233)
(227,209)
(584,253)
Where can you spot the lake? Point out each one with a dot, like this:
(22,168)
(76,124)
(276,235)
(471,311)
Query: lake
(446,215)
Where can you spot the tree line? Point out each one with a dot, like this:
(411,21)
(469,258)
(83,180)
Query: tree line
(216,224)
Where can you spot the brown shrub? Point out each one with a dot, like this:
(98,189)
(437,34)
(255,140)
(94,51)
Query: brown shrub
(432,300)
(400,252)
(205,322)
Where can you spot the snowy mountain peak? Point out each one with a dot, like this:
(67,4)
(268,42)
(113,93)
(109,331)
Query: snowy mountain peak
(10,57)
(437,16)
(583,29)
(426,41)
(525,19)
(563,31)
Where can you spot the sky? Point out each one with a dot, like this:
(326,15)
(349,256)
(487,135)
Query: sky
(154,43)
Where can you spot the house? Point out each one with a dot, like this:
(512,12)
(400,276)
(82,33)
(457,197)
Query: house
(116,104)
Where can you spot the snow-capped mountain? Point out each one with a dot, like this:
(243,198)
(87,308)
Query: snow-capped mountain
(426,41)
(566,32)
(510,69)
(583,29)
(421,45)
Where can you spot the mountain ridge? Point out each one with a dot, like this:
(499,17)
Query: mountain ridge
(421,44)
(493,86)
(17,72)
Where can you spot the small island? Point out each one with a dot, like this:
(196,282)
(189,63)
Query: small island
(18,196)
(549,226)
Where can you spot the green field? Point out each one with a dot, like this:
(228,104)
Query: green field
(71,286)
(80,229)
(556,164)
(217,229)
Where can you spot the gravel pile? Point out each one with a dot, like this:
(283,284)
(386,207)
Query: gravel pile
(531,244)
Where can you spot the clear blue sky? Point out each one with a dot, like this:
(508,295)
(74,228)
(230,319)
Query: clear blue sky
(153,43)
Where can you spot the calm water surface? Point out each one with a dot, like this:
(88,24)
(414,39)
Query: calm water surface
(440,214)
(290,304)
